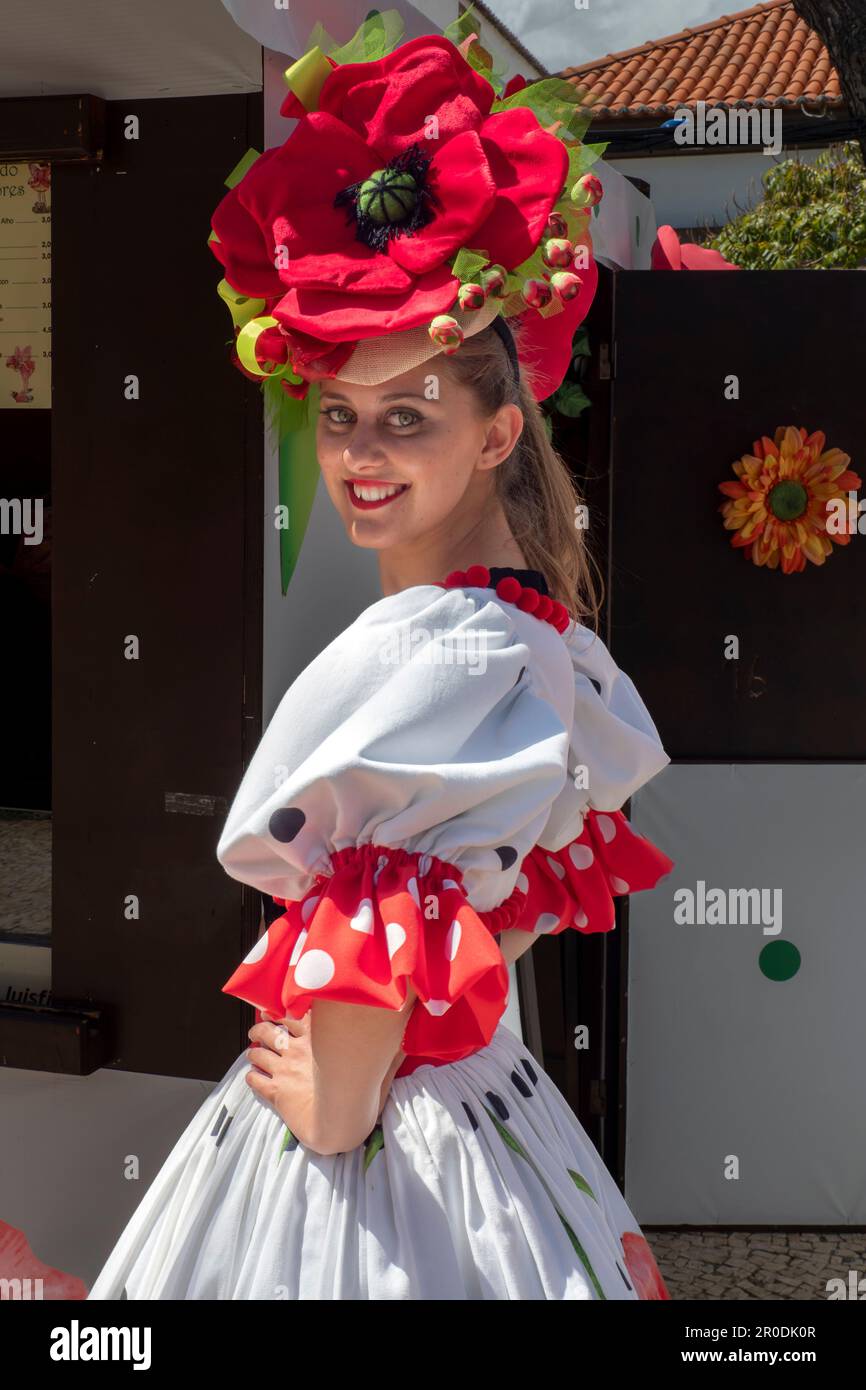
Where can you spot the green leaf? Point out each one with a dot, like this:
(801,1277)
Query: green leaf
(375,1142)
(507,1135)
(570,399)
(289,1142)
(467,265)
(552,99)
(458,31)
(582,1184)
(583,1257)
(580,343)
(375,38)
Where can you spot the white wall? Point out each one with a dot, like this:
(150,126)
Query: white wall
(696,190)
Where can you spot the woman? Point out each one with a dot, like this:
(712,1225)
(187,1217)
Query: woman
(442,784)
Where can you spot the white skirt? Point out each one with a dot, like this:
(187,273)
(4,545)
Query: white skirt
(478,1183)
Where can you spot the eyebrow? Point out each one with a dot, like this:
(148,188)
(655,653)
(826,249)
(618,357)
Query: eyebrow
(393,396)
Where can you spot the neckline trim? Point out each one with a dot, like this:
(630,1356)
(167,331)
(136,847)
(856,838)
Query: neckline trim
(527,589)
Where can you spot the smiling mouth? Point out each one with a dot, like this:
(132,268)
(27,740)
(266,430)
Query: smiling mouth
(368,495)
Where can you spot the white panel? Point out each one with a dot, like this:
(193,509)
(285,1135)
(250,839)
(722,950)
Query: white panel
(158,48)
(721,1059)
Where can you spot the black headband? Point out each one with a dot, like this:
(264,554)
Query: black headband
(506,337)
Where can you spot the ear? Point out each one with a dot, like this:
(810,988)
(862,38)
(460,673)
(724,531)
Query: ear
(502,435)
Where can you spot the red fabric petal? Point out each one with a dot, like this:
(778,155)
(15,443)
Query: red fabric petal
(383,918)
(641,1265)
(322,158)
(339,317)
(461,179)
(529,167)
(669,253)
(389,103)
(544,344)
(576,886)
(245,248)
(514,84)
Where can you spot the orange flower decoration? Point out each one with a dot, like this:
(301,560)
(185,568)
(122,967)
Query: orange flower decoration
(778,509)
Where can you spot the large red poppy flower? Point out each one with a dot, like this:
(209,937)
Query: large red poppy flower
(400,166)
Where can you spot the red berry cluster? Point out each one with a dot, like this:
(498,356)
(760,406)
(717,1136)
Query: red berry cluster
(510,590)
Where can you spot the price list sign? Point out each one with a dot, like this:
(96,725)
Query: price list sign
(25,285)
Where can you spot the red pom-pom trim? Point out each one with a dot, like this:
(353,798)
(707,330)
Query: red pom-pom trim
(510,590)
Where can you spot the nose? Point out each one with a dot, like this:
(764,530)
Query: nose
(364,452)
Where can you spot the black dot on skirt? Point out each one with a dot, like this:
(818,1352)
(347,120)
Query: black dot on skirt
(472,1119)
(530,1070)
(285,823)
(507,855)
(498,1104)
(520,1084)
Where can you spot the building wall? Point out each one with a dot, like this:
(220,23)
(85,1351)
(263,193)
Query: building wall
(697,190)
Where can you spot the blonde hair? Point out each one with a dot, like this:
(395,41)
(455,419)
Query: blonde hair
(536,489)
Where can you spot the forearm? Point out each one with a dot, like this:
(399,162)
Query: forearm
(513,943)
(350,1087)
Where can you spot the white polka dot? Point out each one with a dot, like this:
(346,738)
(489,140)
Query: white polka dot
(412,885)
(450,883)
(606,828)
(424,864)
(258,950)
(298,947)
(546,922)
(556,867)
(619,885)
(363,918)
(580,918)
(581,856)
(394,936)
(437,1007)
(452,939)
(308,908)
(523,883)
(314,969)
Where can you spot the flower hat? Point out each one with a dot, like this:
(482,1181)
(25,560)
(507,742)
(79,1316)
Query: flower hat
(416,198)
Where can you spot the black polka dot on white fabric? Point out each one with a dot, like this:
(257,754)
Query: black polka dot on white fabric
(520,677)
(518,1081)
(507,855)
(285,823)
(624,1280)
(596,683)
(472,1119)
(530,1070)
(498,1104)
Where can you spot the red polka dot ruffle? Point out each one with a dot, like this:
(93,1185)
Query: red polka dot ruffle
(576,886)
(383,918)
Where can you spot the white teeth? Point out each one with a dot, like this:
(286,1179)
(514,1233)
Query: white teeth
(375,494)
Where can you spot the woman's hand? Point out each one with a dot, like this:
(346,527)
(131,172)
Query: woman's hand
(282,1072)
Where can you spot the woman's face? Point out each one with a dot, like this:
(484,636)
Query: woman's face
(402,468)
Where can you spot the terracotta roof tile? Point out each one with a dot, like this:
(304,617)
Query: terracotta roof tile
(765,54)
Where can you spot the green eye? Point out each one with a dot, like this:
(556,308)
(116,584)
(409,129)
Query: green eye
(406,417)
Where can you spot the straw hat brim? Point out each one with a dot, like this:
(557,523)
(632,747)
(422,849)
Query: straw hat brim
(375,360)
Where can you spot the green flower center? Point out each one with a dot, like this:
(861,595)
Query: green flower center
(788,500)
(388,196)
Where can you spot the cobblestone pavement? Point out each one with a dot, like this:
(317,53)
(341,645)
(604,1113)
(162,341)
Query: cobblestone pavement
(715,1264)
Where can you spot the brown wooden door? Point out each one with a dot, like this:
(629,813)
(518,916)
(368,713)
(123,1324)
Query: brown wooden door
(157,541)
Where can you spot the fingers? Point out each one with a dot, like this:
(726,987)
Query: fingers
(263,1058)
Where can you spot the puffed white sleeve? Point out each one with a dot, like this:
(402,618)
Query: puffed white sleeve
(399,786)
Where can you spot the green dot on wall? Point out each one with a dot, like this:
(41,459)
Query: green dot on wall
(779,960)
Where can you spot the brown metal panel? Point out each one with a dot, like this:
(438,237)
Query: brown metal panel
(157,539)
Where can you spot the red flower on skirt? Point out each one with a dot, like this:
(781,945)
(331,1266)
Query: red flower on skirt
(400,166)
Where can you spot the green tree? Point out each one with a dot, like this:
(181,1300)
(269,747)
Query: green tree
(812,217)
